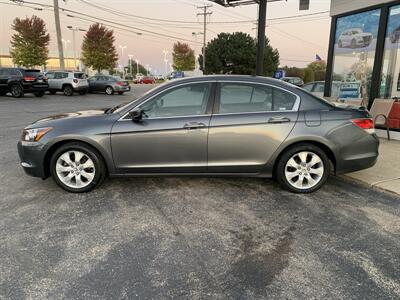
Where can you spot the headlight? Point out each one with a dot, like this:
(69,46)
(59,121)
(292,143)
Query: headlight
(34,135)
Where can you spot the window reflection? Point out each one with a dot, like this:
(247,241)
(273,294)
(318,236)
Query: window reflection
(390,79)
(354,53)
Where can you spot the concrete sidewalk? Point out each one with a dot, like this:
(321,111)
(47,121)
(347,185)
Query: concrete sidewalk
(386,173)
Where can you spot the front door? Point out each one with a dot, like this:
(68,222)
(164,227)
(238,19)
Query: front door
(172,136)
(250,122)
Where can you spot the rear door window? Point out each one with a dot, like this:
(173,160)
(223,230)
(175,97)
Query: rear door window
(80,75)
(247,98)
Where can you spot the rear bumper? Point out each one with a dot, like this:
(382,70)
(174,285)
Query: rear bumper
(80,88)
(33,88)
(31,158)
(360,155)
(119,88)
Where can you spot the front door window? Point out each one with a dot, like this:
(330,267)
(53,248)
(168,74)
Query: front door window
(187,100)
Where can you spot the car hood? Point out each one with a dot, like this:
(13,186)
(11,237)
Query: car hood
(72,115)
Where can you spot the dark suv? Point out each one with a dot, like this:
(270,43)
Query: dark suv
(18,81)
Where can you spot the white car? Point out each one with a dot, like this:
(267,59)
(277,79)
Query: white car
(67,82)
(354,38)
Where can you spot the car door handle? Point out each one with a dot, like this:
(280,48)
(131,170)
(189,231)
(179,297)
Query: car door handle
(278,120)
(194,125)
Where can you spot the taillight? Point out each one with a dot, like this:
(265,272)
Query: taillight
(75,80)
(29,78)
(366,124)
(119,83)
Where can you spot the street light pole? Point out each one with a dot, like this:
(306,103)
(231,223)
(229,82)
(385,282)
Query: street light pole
(74,42)
(65,49)
(165,61)
(130,63)
(137,67)
(122,57)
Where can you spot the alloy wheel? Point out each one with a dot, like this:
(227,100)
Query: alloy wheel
(75,169)
(109,90)
(304,170)
(16,91)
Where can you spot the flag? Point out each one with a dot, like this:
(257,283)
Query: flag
(318,58)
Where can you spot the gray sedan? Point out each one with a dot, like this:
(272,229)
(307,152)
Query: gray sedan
(211,125)
(108,84)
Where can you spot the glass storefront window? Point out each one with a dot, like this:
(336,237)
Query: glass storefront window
(390,78)
(354,53)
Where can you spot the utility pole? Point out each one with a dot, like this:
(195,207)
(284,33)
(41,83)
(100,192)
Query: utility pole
(165,61)
(262,15)
(130,63)
(205,13)
(59,38)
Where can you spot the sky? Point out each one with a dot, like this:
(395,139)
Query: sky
(160,23)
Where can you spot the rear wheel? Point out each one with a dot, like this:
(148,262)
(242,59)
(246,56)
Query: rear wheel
(67,90)
(109,90)
(303,168)
(77,168)
(17,91)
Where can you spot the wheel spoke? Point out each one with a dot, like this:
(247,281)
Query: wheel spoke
(88,164)
(66,158)
(78,181)
(314,160)
(318,171)
(78,156)
(291,175)
(292,163)
(303,156)
(87,175)
(299,182)
(61,168)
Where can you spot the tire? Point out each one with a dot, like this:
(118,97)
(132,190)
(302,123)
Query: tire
(63,172)
(109,90)
(68,90)
(39,94)
(298,177)
(17,91)
(120,93)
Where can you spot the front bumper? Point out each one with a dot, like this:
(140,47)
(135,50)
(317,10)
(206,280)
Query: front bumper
(31,156)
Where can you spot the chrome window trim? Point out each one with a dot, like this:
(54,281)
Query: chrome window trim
(165,90)
(296,105)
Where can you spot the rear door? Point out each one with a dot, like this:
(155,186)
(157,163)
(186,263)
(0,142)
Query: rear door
(249,123)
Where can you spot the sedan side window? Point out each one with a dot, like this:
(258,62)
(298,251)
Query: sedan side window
(237,98)
(247,98)
(308,87)
(186,100)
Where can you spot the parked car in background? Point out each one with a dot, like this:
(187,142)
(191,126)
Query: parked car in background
(108,84)
(224,125)
(395,35)
(317,88)
(293,80)
(176,75)
(18,81)
(355,38)
(159,77)
(69,82)
(128,77)
(147,80)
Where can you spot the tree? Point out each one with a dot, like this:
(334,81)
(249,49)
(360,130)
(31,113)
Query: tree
(183,57)
(319,69)
(29,45)
(235,53)
(98,50)
(308,75)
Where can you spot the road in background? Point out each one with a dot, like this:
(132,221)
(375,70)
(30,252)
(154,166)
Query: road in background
(182,237)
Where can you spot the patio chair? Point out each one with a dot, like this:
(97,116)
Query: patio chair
(380,111)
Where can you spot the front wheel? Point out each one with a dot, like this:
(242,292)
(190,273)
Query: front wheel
(303,168)
(77,168)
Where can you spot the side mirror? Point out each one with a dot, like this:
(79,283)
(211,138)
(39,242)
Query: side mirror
(136,115)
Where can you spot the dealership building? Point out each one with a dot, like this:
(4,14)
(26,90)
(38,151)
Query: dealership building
(364,50)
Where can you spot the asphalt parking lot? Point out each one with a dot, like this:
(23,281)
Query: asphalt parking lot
(212,238)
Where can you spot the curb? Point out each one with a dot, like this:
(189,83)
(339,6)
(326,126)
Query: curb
(374,187)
